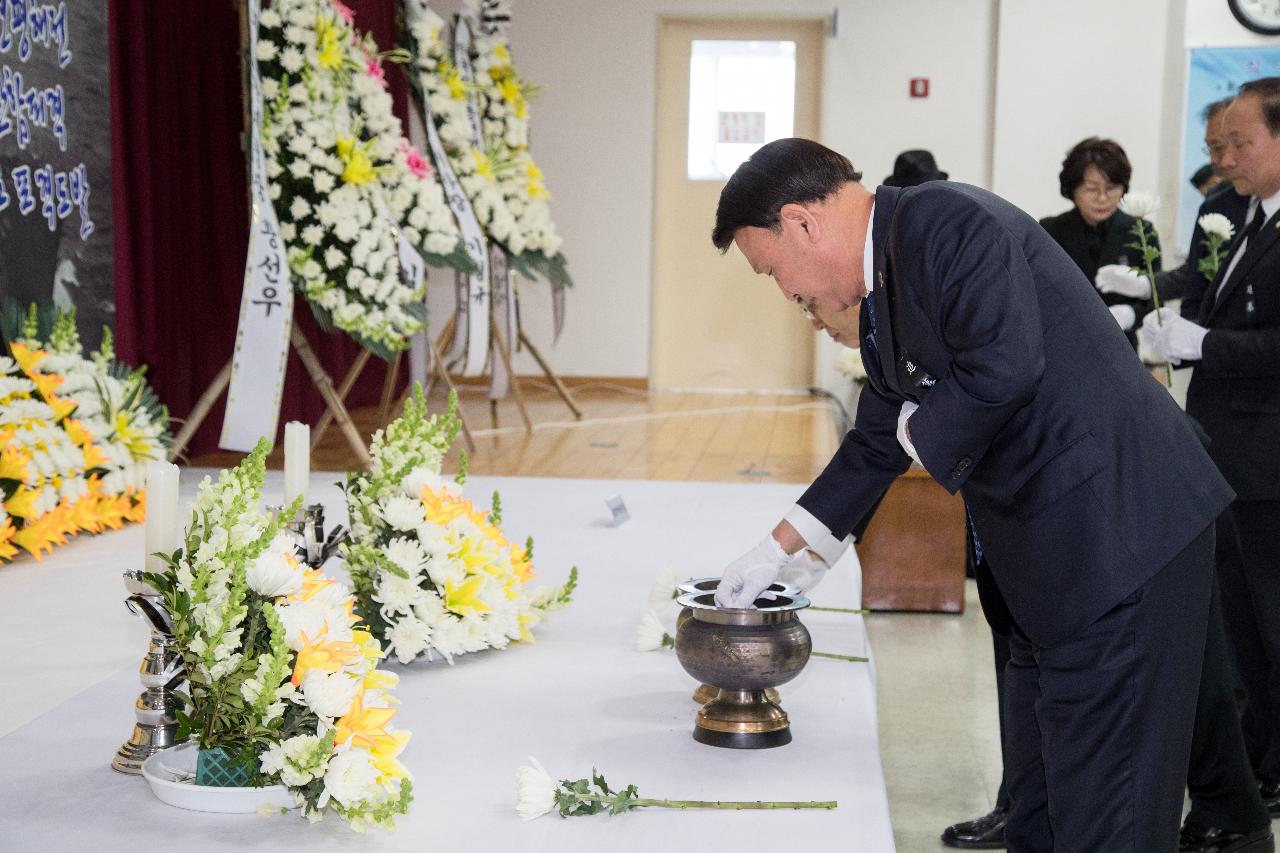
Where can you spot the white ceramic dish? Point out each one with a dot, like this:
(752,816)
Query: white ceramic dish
(171,773)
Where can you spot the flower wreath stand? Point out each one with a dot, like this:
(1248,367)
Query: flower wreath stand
(335,409)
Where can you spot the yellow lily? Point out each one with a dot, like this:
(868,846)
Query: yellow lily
(361,725)
(464,599)
(327,657)
(13,463)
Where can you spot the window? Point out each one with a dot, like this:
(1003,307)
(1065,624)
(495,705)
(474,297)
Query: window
(741,95)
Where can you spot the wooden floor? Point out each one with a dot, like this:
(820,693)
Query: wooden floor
(624,433)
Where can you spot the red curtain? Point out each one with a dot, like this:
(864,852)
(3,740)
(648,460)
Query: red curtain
(181,203)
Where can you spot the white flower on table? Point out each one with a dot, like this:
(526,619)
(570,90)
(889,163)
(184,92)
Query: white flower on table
(664,588)
(535,790)
(651,635)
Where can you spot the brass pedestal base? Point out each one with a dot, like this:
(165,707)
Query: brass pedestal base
(705,693)
(742,719)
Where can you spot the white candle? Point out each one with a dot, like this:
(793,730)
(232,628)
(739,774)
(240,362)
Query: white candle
(162,534)
(297,461)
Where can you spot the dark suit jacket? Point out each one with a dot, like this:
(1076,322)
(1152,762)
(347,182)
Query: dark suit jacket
(1235,389)
(1187,281)
(1081,475)
(1092,247)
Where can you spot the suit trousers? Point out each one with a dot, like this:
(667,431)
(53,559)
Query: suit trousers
(1248,560)
(1224,792)
(1099,725)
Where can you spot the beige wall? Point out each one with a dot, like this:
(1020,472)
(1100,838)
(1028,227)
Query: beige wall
(1002,111)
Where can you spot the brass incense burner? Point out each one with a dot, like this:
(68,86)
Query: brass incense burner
(742,653)
(705,692)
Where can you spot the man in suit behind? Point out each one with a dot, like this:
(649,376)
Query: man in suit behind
(1235,394)
(992,361)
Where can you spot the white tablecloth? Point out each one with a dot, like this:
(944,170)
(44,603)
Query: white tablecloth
(578,698)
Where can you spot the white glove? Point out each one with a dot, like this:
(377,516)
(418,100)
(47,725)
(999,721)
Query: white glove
(1122,280)
(905,440)
(805,570)
(749,575)
(1125,316)
(1173,337)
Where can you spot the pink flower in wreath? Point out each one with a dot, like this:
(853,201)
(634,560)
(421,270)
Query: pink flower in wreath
(415,161)
(373,65)
(345,11)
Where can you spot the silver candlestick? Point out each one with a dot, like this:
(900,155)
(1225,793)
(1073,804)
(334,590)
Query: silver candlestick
(160,673)
(308,531)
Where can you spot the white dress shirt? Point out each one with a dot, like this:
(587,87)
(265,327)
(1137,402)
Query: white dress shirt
(1269,206)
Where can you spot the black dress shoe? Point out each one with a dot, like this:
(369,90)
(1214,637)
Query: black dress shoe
(1209,839)
(981,833)
(1270,792)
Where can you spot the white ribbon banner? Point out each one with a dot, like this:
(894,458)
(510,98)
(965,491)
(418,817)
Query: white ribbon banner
(266,301)
(500,290)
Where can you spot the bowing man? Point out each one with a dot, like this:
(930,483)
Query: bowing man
(993,363)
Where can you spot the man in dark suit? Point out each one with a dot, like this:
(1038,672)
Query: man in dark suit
(1187,282)
(1235,394)
(992,361)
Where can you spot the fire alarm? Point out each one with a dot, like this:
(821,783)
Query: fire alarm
(919,87)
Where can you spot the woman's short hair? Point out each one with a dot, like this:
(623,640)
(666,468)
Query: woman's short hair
(1106,154)
(786,171)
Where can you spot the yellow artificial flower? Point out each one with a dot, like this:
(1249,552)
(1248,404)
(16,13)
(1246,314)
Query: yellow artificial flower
(527,621)
(510,89)
(46,383)
(45,532)
(377,679)
(7,531)
(452,79)
(502,53)
(362,726)
(532,171)
(26,357)
(537,189)
(359,169)
(368,646)
(483,165)
(13,463)
(77,432)
(464,599)
(386,747)
(131,437)
(330,49)
(22,503)
(61,408)
(93,456)
(138,513)
(312,582)
(327,657)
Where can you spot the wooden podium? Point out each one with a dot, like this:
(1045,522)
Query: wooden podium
(913,552)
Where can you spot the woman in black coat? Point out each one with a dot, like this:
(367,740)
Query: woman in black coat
(1097,234)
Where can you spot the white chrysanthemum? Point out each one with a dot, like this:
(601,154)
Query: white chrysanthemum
(402,513)
(276,571)
(1139,205)
(664,589)
(535,790)
(1217,225)
(650,635)
(408,638)
(397,594)
(351,778)
(407,554)
(849,362)
(329,696)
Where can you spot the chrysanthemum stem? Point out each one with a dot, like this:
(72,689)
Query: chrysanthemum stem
(737,805)
(1150,274)
(838,657)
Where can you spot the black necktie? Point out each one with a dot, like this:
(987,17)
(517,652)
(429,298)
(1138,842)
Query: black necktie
(1255,225)
(870,355)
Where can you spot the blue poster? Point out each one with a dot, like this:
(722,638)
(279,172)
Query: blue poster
(1214,73)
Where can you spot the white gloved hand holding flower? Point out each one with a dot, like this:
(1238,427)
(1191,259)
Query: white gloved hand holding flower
(1123,281)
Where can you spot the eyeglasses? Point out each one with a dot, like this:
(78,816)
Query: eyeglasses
(1109,191)
(806,307)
